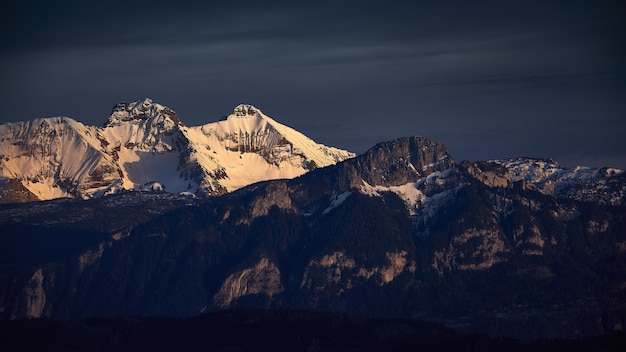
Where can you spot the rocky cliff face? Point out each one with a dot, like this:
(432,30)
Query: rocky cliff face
(398,231)
(398,162)
(12,191)
(402,161)
(262,278)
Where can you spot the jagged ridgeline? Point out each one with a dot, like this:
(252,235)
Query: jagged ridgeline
(144,146)
(519,247)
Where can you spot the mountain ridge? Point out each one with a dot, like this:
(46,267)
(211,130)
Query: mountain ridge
(145,145)
(516,247)
(469,245)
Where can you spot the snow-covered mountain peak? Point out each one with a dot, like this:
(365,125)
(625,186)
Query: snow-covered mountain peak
(244,119)
(145,146)
(248,130)
(246,110)
(137,112)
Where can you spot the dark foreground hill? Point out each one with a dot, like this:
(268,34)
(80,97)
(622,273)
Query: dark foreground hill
(261,330)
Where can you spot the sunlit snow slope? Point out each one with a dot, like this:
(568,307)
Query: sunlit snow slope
(144,145)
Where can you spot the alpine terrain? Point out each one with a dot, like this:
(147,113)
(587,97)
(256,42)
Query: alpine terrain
(145,146)
(520,247)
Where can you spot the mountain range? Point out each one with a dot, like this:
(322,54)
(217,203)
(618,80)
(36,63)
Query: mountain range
(519,247)
(144,146)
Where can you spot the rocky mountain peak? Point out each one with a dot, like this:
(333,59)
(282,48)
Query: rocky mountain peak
(138,111)
(402,161)
(246,110)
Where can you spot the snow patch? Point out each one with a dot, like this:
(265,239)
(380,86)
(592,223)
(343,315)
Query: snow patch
(409,193)
(336,201)
(153,187)
(430,205)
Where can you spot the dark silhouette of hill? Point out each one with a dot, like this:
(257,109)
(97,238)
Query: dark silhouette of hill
(268,330)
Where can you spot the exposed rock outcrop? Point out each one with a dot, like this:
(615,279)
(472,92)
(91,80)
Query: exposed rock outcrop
(397,162)
(262,278)
(491,174)
(32,299)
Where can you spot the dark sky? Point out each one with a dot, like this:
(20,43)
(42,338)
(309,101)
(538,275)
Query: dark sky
(490,79)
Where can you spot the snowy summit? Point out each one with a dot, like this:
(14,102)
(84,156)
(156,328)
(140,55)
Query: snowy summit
(145,144)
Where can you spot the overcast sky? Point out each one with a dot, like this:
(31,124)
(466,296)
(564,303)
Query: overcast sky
(490,79)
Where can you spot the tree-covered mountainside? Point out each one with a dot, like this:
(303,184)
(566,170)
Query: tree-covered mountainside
(513,248)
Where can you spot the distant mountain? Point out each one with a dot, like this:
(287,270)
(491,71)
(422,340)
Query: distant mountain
(518,247)
(145,146)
